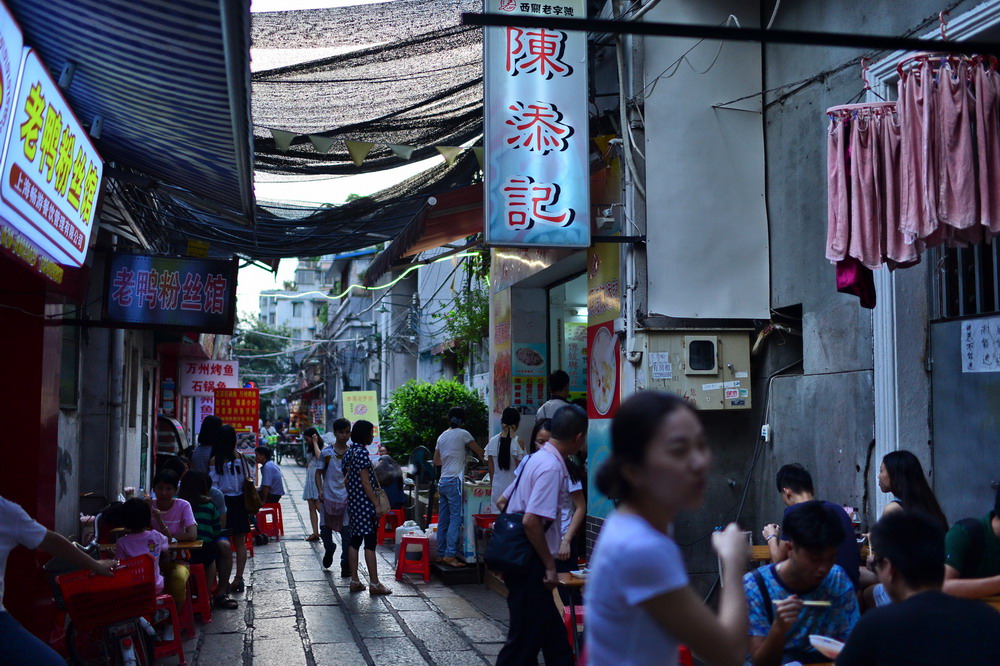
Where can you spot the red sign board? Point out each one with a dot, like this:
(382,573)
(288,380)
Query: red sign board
(238,407)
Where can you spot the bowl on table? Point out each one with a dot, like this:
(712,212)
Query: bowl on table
(827,647)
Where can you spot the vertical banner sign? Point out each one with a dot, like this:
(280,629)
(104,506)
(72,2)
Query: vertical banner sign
(604,364)
(537,162)
(204,406)
(145,291)
(51,173)
(363,405)
(200,377)
(500,356)
(240,408)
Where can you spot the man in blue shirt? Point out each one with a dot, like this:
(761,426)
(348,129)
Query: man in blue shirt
(272,487)
(807,593)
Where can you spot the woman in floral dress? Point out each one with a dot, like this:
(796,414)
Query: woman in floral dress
(359,473)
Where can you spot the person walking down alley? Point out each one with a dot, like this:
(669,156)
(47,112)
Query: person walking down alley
(539,492)
(333,495)
(310,492)
(361,508)
(449,455)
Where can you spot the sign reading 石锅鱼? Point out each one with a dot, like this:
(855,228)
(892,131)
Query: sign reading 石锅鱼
(537,163)
(51,176)
(201,377)
(169,292)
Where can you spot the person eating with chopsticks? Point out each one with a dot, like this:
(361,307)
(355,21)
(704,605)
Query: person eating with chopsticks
(805,594)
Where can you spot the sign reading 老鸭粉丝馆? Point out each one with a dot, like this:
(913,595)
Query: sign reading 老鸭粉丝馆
(239,408)
(51,176)
(537,162)
(200,377)
(186,294)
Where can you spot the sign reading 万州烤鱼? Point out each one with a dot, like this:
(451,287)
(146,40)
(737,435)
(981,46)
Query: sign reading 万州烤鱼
(238,407)
(202,377)
(181,293)
(537,162)
(51,175)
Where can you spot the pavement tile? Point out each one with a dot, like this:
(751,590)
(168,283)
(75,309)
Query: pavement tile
(418,617)
(269,579)
(306,574)
(406,603)
(316,593)
(220,650)
(346,654)
(327,624)
(378,626)
(288,652)
(456,607)
(440,636)
(227,621)
(489,649)
(363,603)
(273,603)
(482,630)
(394,652)
(439,590)
(456,658)
(279,628)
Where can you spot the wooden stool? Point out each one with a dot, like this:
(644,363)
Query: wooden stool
(421,565)
(387,525)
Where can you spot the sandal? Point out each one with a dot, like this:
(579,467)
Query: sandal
(357,587)
(379,590)
(312,537)
(225,602)
(237,586)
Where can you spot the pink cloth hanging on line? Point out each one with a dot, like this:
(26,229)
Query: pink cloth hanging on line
(952,106)
(898,253)
(866,207)
(838,229)
(917,162)
(987,83)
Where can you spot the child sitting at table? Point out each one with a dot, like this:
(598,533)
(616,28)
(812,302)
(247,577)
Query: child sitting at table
(142,539)
(194,489)
(174,519)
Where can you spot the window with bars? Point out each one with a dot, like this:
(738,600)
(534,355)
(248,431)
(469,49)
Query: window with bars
(967,280)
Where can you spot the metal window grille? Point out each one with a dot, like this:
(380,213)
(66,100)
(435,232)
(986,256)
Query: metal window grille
(967,280)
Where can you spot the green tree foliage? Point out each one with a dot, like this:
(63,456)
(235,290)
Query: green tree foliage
(468,318)
(418,412)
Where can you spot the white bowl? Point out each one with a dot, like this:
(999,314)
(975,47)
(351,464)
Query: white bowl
(827,647)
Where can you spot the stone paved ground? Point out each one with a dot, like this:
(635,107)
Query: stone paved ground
(295,613)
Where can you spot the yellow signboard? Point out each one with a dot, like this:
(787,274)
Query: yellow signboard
(363,405)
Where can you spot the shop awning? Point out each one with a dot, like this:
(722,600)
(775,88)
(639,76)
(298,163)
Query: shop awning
(451,217)
(169,82)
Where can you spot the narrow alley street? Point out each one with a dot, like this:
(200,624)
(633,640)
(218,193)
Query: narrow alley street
(296,613)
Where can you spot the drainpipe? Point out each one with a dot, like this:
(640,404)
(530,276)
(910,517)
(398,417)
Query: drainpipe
(116,380)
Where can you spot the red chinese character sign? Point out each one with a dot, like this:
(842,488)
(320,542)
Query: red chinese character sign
(239,408)
(196,295)
(201,377)
(51,177)
(537,168)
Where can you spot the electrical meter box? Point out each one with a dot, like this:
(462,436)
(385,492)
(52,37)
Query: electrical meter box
(710,369)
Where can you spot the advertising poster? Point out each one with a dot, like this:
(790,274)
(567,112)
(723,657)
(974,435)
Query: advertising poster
(201,377)
(363,406)
(528,394)
(529,359)
(575,356)
(240,408)
(537,153)
(603,364)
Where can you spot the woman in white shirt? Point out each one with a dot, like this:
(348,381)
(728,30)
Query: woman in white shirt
(504,453)
(640,605)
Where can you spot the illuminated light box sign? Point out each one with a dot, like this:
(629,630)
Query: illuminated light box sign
(197,295)
(537,165)
(239,408)
(202,377)
(51,175)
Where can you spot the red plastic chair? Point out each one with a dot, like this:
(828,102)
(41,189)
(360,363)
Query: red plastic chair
(570,625)
(421,564)
(277,509)
(684,657)
(267,523)
(387,525)
(201,600)
(163,649)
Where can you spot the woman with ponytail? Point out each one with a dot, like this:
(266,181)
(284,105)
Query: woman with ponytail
(504,452)
(640,604)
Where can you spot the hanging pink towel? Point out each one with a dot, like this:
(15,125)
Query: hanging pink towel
(987,83)
(952,107)
(838,230)
(918,207)
(866,235)
(897,251)
(854,278)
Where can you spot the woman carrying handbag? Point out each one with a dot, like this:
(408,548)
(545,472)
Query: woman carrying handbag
(363,507)
(231,474)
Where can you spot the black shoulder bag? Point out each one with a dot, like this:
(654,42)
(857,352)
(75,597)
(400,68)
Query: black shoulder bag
(509,550)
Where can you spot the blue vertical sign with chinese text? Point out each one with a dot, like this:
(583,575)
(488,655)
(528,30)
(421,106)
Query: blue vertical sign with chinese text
(537,173)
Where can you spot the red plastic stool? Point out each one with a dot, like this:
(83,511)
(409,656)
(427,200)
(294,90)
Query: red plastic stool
(163,649)
(248,541)
(267,523)
(570,625)
(420,565)
(202,600)
(387,525)
(277,509)
(684,657)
